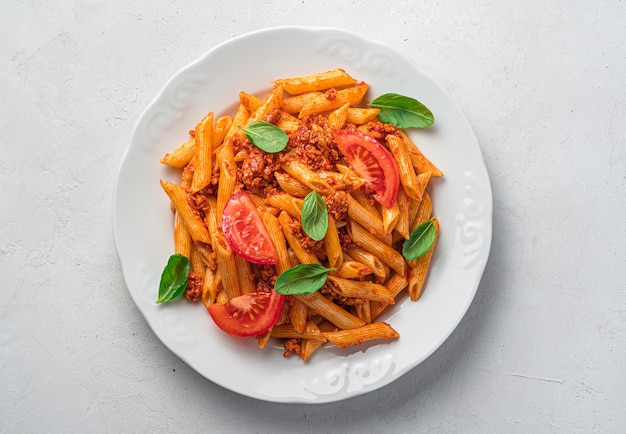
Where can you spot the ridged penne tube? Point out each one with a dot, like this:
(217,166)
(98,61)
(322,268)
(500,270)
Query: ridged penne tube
(353,270)
(332,245)
(203,160)
(239,120)
(408,177)
(182,238)
(210,286)
(220,129)
(306,176)
(403,223)
(273,101)
(419,160)
(320,81)
(330,311)
(360,116)
(298,315)
(309,346)
(365,289)
(287,123)
(291,185)
(363,311)
(350,178)
(303,255)
(419,268)
(390,217)
(395,284)
(180,156)
(323,102)
(244,274)
(261,206)
(387,254)
(422,181)
(285,202)
(278,239)
(222,297)
(194,224)
(366,333)
(195,261)
(337,119)
(423,212)
(367,218)
(288,331)
(263,339)
(366,203)
(226,186)
(370,260)
(227,266)
(294,104)
(249,101)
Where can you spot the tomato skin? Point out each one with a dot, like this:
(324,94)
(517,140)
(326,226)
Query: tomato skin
(235,317)
(245,232)
(373,162)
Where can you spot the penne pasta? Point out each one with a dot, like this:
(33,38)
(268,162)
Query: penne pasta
(180,156)
(194,224)
(333,99)
(316,82)
(366,333)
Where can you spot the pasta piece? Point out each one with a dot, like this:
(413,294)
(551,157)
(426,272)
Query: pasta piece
(303,255)
(366,333)
(314,82)
(306,176)
(419,269)
(395,285)
(337,119)
(403,222)
(423,212)
(387,254)
(203,166)
(298,315)
(244,274)
(182,238)
(363,311)
(367,218)
(194,224)
(408,177)
(390,217)
(288,331)
(278,239)
(210,286)
(294,104)
(332,100)
(291,186)
(360,116)
(180,156)
(285,202)
(330,311)
(226,186)
(332,245)
(309,346)
(365,289)
(371,261)
(353,270)
(227,266)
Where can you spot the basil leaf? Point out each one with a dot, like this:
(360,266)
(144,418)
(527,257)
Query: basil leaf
(420,241)
(265,136)
(314,216)
(402,111)
(174,278)
(302,279)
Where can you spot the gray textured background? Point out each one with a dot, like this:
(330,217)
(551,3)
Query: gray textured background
(541,349)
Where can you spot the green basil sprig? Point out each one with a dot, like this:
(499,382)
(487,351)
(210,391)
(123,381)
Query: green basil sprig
(266,136)
(420,241)
(302,279)
(402,111)
(315,216)
(174,278)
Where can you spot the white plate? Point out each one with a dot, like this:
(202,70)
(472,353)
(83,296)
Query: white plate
(142,222)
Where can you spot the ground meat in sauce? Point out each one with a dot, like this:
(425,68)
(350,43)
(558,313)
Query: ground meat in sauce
(193,292)
(337,202)
(273,116)
(256,171)
(377,130)
(292,346)
(312,143)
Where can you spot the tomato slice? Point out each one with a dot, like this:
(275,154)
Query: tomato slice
(373,162)
(249,314)
(244,230)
